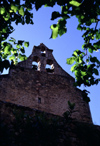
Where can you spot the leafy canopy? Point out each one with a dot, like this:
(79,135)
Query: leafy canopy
(12,11)
(86,11)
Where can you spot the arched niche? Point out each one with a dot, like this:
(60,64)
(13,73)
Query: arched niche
(49,66)
(43,51)
(36,63)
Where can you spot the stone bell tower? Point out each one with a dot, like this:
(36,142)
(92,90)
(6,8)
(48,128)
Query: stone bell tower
(42,59)
(41,84)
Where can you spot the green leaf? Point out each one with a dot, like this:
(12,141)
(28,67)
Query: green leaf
(16,54)
(62,31)
(79,27)
(83,46)
(70,60)
(7,17)
(75,3)
(22,50)
(7,49)
(55,15)
(20,42)
(2,10)
(83,73)
(97,45)
(39,4)
(21,11)
(90,50)
(17,46)
(27,20)
(98,34)
(64,9)
(12,57)
(14,8)
(61,26)
(22,57)
(54,28)
(75,53)
(26,44)
(73,68)
(85,96)
(48,3)
(12,40)
(93,59)
(96,71)
(4,56)
(4,30)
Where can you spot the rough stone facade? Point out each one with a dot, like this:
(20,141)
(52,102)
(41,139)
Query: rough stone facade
(32,84)
(21,126)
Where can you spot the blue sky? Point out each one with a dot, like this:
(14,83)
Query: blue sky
(63,47)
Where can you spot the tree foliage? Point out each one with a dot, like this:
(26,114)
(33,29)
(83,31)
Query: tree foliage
(12,11)
(86,11)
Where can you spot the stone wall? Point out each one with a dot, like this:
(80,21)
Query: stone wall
(44,90)
(25,126)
